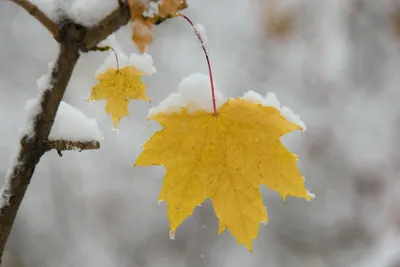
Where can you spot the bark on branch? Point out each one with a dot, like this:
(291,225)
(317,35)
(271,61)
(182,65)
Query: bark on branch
(73,39)
(32,147)
(63,145)
(113,22)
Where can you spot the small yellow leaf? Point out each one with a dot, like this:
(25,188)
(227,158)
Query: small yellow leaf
(224,157)
(118,87)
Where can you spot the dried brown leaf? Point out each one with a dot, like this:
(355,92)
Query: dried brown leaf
(169,7)
(279,23)
(142,34)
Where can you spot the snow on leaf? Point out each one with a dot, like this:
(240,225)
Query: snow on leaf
(119,86)
(223,157)
(191,94)
(142,62)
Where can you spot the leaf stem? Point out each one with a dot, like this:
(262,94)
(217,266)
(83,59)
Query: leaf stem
(107,48)
(207,58)
(116,58)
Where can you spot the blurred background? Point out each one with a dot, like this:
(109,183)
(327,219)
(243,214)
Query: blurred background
(336,63)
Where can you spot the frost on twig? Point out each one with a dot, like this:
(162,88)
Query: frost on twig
(72,129)
(64,145)
(203,38)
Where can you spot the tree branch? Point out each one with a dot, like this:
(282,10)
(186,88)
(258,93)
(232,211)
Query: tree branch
(63,145)
(113,22)
(35,12)
(107,26)
(33,145)
(73,38)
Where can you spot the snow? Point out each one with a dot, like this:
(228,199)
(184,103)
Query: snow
(194,93)
(270,100)
(201,33)
(311,195)
(43,82)
(72,124)
(32,108)
(142,62)
(171,235)
(292,117)
(85,12)
(152,10)
(5,193)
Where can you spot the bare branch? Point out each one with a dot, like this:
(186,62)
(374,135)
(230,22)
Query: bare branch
(73,38)
(113,22)
(63,145)
(35,12)
(33,146)
(107,26)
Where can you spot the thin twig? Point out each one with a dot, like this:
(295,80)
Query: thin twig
(64,145)
(113,22)
(35,12)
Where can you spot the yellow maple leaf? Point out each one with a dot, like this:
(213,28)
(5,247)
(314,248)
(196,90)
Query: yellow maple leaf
(118,87)
(224,157)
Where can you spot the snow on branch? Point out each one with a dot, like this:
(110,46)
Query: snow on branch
(73,125)
(71,130)
(33,143)
(113,22)
(36,140)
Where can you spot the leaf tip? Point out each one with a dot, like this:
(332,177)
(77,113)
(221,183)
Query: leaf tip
(115,128)
(172,235)
(310,195)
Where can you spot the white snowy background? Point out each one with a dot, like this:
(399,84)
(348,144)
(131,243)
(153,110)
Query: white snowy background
(338,69)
